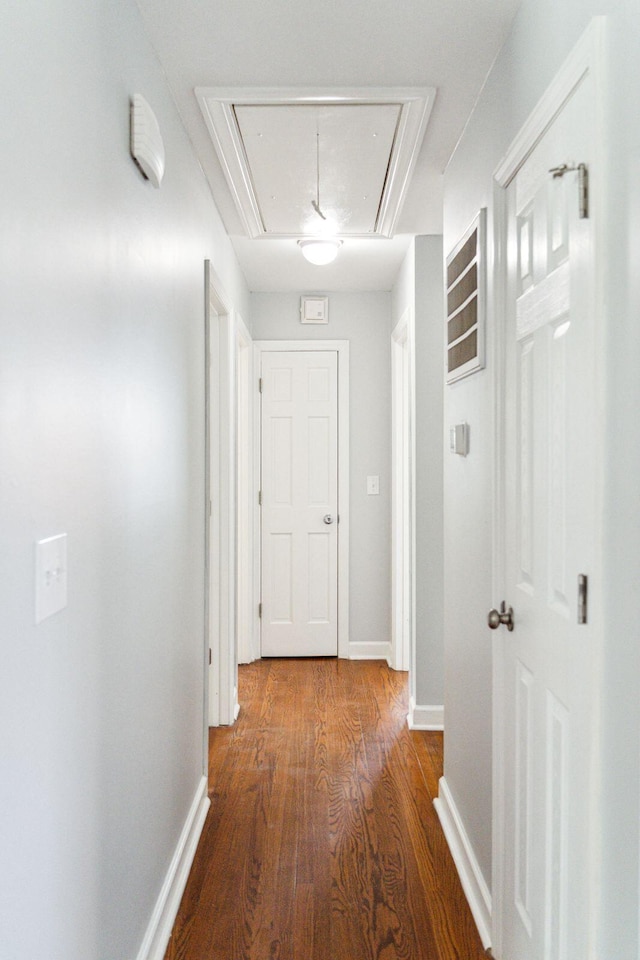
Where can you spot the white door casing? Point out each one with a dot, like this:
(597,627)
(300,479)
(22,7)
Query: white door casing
(546,669)
(246,618)
(402,496)
(304,478)
(220,504)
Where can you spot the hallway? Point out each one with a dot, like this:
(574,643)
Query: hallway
(322,840)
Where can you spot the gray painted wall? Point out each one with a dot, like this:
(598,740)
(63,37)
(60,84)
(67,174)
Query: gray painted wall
(101,437)
(363,319)
(543,34)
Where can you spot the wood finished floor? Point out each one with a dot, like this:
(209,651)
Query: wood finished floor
(322,842)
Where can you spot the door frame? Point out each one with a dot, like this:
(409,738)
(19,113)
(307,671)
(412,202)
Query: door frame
(341,347)
(403,487)
(220,503)
(246,611)
(587,56)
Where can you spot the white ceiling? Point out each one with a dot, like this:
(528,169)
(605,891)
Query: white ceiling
(446,44)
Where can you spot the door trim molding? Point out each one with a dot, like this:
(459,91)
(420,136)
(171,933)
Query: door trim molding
(220,503)
(403,533)
(245,559)
(587,56)
(341,347)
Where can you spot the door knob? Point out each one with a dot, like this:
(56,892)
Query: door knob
(505,616)
(328,518)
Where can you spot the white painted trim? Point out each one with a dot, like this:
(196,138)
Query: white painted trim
(217,105)
(471,878)
(426,717)
(221,501)
(403,560)
(370,650)
(342,349)
(246,613)
(157,935)
(586,55)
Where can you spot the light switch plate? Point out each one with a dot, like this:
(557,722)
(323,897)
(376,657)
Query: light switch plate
(459,439)
(51,576)
(373,486)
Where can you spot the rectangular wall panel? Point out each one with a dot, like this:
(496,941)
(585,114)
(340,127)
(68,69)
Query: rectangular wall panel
(557,816)
(525,494)
(523,793)
(525,251)
(281,387)
(318,436)
(558,221)
(318,579)
(281,594)
(557,469)
(281,460)
(318,385)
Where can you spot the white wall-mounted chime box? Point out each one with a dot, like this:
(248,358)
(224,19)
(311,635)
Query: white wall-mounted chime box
(314,310)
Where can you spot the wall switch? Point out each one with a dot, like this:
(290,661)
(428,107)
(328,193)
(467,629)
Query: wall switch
(51,576)
(373,486)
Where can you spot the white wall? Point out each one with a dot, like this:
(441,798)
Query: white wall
(543,34)
(101,437)
(419,287)
(363,319)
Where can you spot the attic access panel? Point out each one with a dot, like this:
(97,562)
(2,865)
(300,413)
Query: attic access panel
(271,144)
(345,149)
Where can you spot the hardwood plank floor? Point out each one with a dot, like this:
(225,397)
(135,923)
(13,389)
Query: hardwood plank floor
(322,842)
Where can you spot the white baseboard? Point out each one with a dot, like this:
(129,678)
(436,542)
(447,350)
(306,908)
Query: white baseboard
(375,650)
(473,883)
(426,717)
(164,913)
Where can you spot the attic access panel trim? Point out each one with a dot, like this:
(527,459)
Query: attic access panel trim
(218,105)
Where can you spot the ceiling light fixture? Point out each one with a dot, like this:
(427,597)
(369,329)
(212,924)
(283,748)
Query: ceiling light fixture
(320,250)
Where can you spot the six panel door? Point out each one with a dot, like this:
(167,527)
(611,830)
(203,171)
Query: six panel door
(299,520)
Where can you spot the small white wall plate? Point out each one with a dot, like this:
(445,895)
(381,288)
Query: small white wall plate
(51,576)
(459,439)
(147,148)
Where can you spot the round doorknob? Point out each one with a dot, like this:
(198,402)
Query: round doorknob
(328,518)
(503,616)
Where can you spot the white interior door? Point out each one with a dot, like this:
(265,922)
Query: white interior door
(548,661)
(299,512)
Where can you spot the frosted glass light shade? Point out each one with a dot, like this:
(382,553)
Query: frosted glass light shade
(320,250)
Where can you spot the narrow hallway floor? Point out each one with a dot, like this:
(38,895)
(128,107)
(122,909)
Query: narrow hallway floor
(322,842)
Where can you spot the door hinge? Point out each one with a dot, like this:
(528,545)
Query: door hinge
(259,384)
(209,656)
(583,589)
(259,611)
(259,498)
(583,185)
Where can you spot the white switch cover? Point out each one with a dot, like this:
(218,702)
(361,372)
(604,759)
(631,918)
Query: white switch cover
(51,576)
(373,486)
